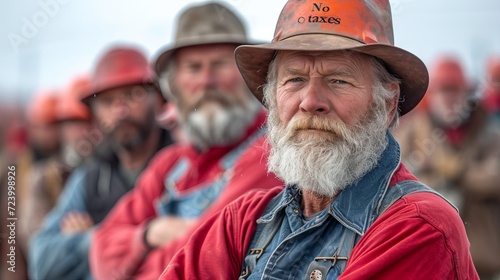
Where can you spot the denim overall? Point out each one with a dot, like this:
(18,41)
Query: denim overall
(284,246)
(201,197)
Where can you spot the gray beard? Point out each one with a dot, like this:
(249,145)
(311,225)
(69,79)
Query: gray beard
(219,125)
(326,166)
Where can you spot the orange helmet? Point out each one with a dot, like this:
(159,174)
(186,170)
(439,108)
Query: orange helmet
(120,66)
(447,71)
(70,106)
(43,108)
(357,25)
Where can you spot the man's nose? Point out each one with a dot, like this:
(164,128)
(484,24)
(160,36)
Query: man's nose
(120,108)
(208,78)
(315,100)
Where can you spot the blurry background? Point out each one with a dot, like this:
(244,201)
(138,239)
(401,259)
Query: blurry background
(45,43)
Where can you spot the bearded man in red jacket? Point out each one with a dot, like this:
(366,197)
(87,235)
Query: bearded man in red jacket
(188,182)
(334,83)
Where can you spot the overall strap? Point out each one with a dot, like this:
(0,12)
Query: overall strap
(404,188)
(328,263)
(180,167)
(228,160)
(264,233)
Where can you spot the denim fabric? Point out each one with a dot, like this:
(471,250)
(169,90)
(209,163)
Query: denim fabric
(195,203)
(199,198)
(53,255)
(292,251)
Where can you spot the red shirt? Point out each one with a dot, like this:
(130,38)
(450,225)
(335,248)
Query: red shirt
(419,237)
(118,249)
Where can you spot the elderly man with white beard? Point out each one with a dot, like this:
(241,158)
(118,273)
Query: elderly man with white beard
(334,83)
(188,182)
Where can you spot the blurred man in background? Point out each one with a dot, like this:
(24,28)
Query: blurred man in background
(43,142)
(43,130)
(433,142)
(47,181)
(454,148)
(186,183)
(491,94)
(481,209)
(124,101)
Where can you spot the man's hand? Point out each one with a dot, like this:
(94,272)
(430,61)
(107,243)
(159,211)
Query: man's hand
(163,230)
(76,222)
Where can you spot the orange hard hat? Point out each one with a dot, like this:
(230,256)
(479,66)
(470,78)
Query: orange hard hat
(357,25)
(70,106)
(120,66)
(447,71)
(43,108)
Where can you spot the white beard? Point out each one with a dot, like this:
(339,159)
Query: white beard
(327,163)
(214,125)
(218,120)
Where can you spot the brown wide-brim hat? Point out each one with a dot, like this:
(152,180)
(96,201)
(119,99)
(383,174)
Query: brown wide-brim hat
(207,24)
(356,25)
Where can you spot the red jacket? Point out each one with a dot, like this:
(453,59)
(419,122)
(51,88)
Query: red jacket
(118,250)
(419,237)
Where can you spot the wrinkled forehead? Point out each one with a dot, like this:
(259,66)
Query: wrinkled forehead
(348,62)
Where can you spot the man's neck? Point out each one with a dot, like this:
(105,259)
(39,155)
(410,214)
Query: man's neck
(134,159)
(312,203)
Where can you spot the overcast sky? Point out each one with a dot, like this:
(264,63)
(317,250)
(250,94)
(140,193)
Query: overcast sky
(44,43)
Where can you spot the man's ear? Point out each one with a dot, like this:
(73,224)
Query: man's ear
(393,104)
(168,116)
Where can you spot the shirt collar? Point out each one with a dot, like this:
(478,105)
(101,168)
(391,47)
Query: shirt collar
(358,205)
